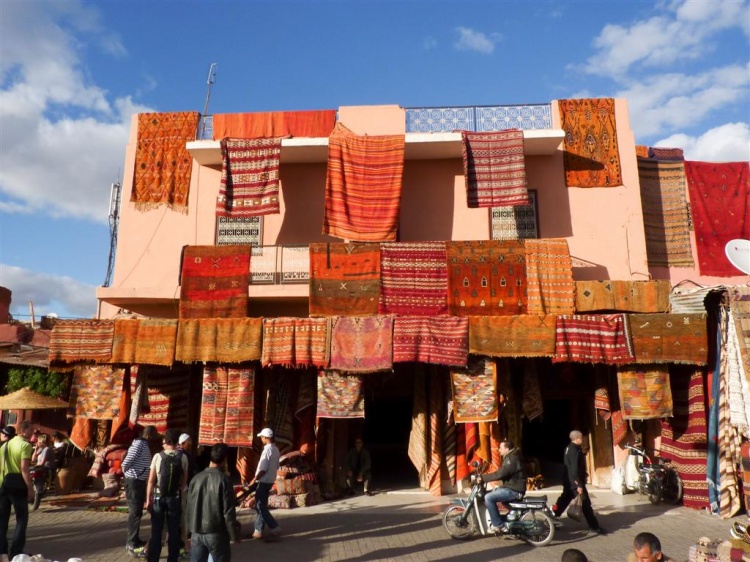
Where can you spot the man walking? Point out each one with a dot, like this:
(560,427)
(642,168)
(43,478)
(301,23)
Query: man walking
(212,517)
(186,446)
(166,481)
(513,488)
(15,456)
(265,476)
(574,483)
(136,468)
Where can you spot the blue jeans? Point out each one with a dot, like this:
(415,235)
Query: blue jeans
(165,509)
(212,547)
(21,507)
(499,494)
(261,506)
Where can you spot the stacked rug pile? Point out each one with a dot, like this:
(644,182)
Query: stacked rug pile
(296,483)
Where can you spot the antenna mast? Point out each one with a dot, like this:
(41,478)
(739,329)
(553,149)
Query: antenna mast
(209,82)
(115,196)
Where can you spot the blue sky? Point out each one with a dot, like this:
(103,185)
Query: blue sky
(72,73)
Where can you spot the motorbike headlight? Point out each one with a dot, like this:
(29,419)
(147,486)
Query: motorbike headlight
(473,478)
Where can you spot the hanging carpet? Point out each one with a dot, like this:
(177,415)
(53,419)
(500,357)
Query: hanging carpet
(220,340)
(474,392)
(362,344)
(549,272)
(645,392)
(96,391)
(274,124)
(167,395)
(739,303)
(524,335)
(227,406)
(81,340)
(601,393)
(440,340)
(296,342)
(587,338)
(669,338)
(124,341)
(622,296)
(665,153)
(156,342)
(340,395)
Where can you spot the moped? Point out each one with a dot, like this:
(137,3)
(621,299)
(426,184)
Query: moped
(529,519)
(657,479)
(39,475)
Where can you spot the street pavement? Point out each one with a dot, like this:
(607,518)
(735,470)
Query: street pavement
(404,525)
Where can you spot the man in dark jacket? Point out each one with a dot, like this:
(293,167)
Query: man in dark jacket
(513,488)
(574,483)
(212,515)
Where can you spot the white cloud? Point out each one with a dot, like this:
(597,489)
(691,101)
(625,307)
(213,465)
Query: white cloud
(472,40)
(429,43)
(50,293)
(60,166)
(726,143)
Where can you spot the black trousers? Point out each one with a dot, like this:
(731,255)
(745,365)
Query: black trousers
(568,496)
(135,492)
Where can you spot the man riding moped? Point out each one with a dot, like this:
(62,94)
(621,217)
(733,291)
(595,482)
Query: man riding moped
(513,488)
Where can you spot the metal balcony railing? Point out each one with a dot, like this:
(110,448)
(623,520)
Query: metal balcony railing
(276,265)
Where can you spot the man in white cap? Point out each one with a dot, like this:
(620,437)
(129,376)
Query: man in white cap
(265,476)
(185,443)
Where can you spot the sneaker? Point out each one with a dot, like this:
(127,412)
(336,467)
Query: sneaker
(257,535)
(503,528)
(184,554)
(136,551)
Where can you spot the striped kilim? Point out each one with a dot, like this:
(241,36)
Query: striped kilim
(593,338)
(486,277)
(414,278)
(340,395)
(645,392)
(670,338)
(81,340)
(664,153)
(363,185)
(296,342)
(739,303)
(214,281)
(494,169)
(162,163)
(168,394)
(156,342)
(124,340)
(729,449)
(362,344)
(249,177)
(475,392)
(227,407)
(96,391)
(437,422)
(692,301)
(221,340)
(665,213)
(138,393)
(344,279)
(549,277)
(417,449)
(441,340)
(591,156)
(524,335)
(278,341)
(622,296)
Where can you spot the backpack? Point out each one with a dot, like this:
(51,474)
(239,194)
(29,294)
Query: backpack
(170,474)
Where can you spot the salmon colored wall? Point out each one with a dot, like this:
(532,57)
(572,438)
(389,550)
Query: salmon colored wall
(374,119)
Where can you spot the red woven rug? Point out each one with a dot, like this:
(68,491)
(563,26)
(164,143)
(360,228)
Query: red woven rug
(549,272)
(81,340)
(221,340)
(274,124)
(588,338)
(644,392)
(526,335)
(96,391)
(414,278)
(227,407)
(719,200)
(622,296)
(486,277)
(249,177)
(162,163)
(214,281)
(344,279)
(363,185)
(312,342)
(156,342)
(591,156)
(494,169)
(168,393)
(670,338)
(362,344)
(441,340)
(340,395)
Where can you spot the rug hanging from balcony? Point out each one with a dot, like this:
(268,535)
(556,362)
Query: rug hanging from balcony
(665,213)
(440,340)
(278,342)
(363,185)
(622,296)
(344,279)
(719,200)
(362,344)
(593,338)
(96,392)
(249,177)
(274,124)
(474,392)
(156,342)
(739,304)
(414,278)
(526,335)
(227,406)
(162,163)
(644,392)
(312,342)
(214,281)
(670,338)
(167,395)
(494,169)
(81,340)
(238,230)
(124,340)
(665,153)
(340,395)
(486,277)
(591,156)
(549,272)
(220,340)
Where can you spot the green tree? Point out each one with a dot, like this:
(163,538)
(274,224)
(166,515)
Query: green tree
(55,385)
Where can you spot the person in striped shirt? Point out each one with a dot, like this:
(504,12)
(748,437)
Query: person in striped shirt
(136,467)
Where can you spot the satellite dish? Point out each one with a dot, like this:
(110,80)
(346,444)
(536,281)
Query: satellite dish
(738,254)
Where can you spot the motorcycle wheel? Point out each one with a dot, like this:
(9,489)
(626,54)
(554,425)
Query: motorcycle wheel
(673,489)
(655,493)
(38,493)
(452,523)
(543,528)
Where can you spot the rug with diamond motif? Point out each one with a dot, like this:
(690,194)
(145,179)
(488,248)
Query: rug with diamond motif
(474,391)
(340,395)
(644,392)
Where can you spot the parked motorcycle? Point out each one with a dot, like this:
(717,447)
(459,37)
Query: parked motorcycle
(529,519)
(39,479)
(657,479)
